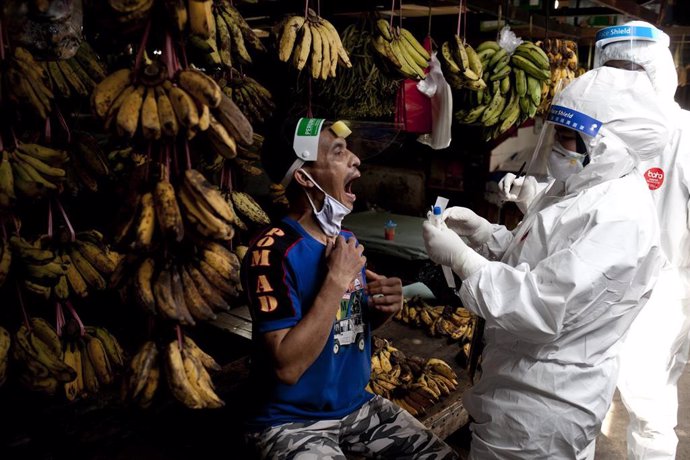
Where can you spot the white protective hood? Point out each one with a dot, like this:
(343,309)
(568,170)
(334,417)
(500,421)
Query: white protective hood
(634,125)
(650,50)
(564,287)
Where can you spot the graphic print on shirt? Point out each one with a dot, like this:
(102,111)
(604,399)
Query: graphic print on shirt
(348,328)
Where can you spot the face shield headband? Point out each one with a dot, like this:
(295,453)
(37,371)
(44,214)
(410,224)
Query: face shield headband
(630,33)
(585,126)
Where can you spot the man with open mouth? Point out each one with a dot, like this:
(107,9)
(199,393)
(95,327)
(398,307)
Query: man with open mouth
(313,306)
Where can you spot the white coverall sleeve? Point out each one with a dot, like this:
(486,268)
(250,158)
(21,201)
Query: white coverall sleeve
(497,244)
(573,285)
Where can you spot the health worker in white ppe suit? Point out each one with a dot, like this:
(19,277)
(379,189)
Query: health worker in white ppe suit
(656,349)
(560,292)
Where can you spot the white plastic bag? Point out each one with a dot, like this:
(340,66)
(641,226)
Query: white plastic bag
(508,40)
(437,89)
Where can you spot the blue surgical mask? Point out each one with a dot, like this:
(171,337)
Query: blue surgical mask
(563,163)
(331,215)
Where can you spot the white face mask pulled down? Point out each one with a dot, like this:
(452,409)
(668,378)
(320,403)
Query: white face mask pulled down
(563,163)
(331,215)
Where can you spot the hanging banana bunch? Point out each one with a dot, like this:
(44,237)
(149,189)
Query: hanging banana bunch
(462,65)
(153,106)
(32,171)
(253,99)
(77,76)
(27,82)
(90,263)
(219,35)
(312,40)
(399,48)
(38,354)
(97,358)
(562,57)
(186,368)
(65,268)
(365,91)
(513,87)
(190,290)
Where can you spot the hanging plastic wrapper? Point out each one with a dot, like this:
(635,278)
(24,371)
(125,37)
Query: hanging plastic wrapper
(508,40)
(435,87)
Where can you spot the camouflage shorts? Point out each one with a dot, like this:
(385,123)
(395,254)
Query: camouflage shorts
(379,429)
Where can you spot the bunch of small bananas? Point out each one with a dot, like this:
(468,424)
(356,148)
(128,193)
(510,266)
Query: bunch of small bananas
(188,292)
(365,91)
(208,212)
(5,260)
(463,66)
(143,375)
(187,369)
(314,40)
(411,382)
(88,166)
(71,267)
(27,82)
(90,262)
(155,106)
(40,269)
(96,356)
(439,321)
(514,87)
(562,56)
(158,208)
(219,35)
(35,171)
(401,50)
(78,75)
(255,101)
(5,342)
(40,359)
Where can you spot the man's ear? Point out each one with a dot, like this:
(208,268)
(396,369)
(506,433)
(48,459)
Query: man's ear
(302,179)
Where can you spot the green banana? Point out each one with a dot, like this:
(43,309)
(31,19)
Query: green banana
(530,68)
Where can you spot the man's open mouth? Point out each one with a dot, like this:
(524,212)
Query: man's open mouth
(348,189)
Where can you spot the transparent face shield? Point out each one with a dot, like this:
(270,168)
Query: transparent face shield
(537,165)
(370,138)
(570,123)
(624,46)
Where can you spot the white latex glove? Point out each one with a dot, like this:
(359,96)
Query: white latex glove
(465,222)
(521,190)
(445,247)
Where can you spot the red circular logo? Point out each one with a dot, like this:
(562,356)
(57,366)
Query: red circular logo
(654,178)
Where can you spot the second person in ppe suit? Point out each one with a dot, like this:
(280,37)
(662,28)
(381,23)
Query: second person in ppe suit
(656,349)
(560,292)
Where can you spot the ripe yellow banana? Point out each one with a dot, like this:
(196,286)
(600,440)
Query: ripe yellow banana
(150,121)
(127,118)
(107,91)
